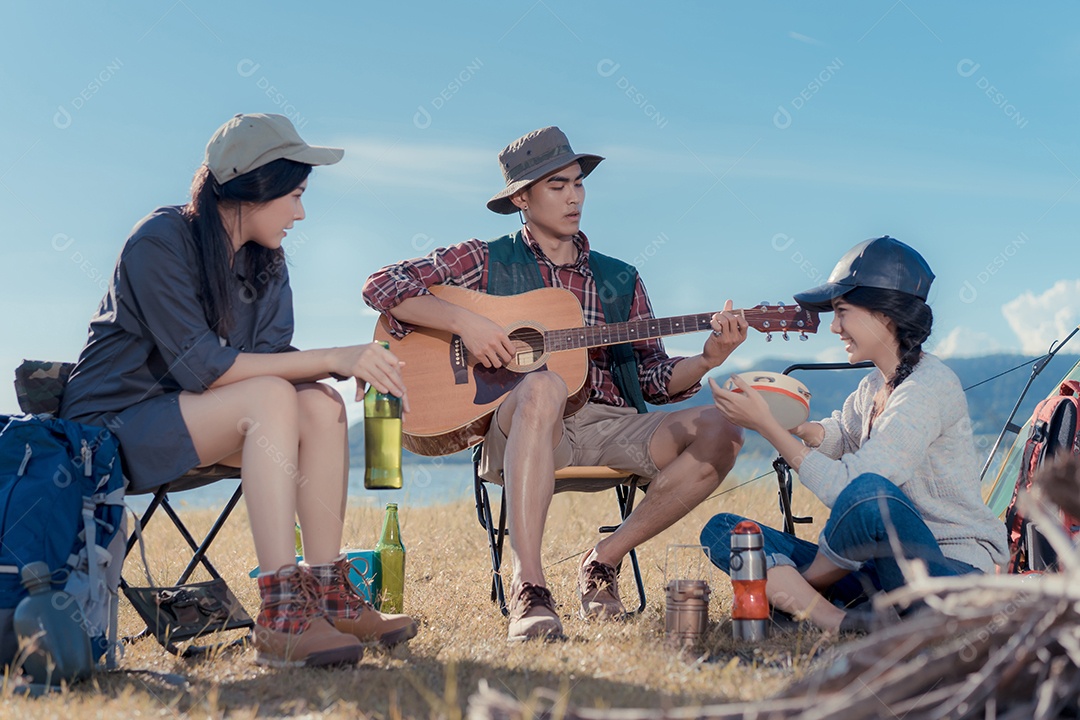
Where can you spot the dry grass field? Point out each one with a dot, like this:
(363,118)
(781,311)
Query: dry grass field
(462,638)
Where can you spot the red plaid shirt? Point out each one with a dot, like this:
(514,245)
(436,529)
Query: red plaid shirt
(465,265)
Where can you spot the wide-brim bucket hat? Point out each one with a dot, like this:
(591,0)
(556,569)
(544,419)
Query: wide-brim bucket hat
(883,262)
(532,157)
(248,141)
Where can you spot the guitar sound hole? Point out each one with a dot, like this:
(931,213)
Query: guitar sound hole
(529,346)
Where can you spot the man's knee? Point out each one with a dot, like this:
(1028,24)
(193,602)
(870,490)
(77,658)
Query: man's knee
(541,392)
(722,439)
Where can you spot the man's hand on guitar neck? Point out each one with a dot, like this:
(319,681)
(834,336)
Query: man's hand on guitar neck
(728,332)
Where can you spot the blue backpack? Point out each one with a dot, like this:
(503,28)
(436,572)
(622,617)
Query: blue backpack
(61,502)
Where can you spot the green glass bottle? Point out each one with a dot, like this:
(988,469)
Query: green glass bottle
(382,440)
(391,571)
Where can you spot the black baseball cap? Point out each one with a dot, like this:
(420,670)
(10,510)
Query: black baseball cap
(883,262)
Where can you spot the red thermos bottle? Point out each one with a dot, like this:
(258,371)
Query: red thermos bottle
(750,608)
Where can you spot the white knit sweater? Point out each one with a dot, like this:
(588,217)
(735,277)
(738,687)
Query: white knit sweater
(921,442)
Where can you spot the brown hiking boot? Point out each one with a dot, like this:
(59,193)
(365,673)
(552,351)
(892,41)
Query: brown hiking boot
(598,584)
(532,615)
(292,630)
(351,613)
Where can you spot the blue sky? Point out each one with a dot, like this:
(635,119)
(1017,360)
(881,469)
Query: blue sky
(748,145)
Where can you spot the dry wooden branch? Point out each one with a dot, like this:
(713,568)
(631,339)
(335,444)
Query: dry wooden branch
(980,646)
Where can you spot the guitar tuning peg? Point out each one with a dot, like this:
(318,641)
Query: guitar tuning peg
(780,306)
(803,337)
(785,336)
(768,337)
(763,304)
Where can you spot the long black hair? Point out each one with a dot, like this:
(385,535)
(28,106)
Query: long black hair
(260,265)
(912,318)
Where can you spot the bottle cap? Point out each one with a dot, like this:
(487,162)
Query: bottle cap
(36,573)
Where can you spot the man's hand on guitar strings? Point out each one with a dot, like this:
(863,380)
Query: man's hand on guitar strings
(486,341)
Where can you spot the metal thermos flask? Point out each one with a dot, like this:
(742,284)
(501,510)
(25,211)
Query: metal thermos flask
(750,607)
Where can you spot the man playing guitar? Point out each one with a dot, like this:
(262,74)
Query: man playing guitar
(686,453)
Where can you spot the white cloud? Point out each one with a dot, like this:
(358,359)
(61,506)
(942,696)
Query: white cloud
(835,353)
(443,168)
(1038,320)
(804,38)
(965,342)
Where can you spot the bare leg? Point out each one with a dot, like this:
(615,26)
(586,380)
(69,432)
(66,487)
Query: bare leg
(694,450)
(259,417)
(531,417)
(789,591)
(322,484)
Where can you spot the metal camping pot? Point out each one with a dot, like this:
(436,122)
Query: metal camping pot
(687,611)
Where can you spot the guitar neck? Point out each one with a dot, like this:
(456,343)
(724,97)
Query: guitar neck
(631,331)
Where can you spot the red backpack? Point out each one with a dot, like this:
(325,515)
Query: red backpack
(1053,429)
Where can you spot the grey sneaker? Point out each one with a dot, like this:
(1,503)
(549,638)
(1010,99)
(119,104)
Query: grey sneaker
(532,615)
(598,585)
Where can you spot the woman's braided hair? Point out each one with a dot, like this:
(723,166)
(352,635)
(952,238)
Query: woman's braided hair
(912,318)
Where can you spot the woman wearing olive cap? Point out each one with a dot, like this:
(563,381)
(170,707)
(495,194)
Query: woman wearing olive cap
(896,463)
(189,361)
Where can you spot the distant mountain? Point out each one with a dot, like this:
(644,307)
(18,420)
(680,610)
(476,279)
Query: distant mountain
(993,383)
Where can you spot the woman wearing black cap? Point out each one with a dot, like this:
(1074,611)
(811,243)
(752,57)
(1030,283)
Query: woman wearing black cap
(897,462)
(189,362)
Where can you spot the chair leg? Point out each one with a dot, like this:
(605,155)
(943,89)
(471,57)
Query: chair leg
(200,550)
(199,557)
(495,542)
(498,589)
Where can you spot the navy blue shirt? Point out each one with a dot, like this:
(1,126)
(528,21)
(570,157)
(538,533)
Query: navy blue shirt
(150,340)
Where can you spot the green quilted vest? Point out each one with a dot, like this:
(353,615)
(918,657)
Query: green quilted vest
(512,270)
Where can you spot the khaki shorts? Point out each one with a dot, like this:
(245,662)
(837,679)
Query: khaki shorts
(595,435)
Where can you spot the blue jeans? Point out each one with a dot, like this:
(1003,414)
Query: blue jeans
(855,538)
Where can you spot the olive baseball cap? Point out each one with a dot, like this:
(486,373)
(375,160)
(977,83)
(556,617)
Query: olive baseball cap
(532,157)
(883,262)
(249,141)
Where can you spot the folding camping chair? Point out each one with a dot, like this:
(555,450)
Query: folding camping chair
(184,611)
(780,465)
(570,479)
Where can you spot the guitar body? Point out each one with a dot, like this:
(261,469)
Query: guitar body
(453,396)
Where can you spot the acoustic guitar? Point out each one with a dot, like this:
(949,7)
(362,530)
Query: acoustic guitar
(453,396)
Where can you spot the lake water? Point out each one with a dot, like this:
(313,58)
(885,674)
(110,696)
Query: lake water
(426,483)
(432,481)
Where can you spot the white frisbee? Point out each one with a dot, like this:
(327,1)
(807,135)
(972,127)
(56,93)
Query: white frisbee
(787,398)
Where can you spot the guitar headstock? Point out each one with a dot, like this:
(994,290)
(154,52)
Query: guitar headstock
(783,319)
